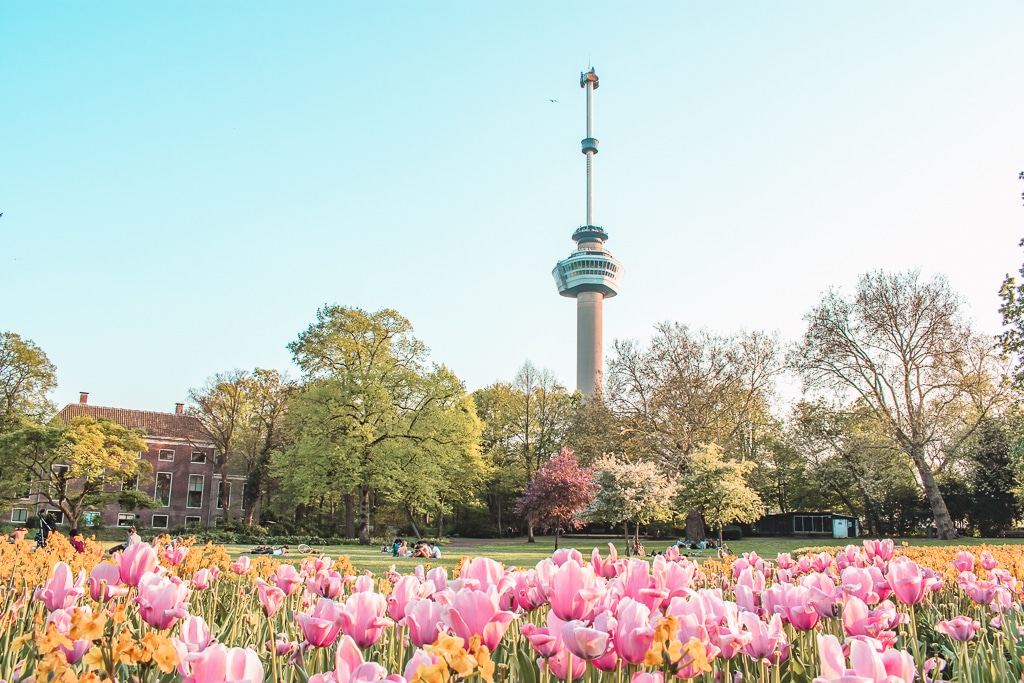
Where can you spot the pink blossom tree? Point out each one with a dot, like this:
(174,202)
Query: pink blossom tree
(558,493)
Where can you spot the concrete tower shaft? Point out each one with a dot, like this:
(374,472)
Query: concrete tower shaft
(589,274)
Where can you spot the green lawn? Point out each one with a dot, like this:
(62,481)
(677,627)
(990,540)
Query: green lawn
(517,552)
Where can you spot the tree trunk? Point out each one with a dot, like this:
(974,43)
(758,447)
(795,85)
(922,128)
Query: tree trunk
(350,516)
(721,533)
(695,527)
(225,494)
(412,522)
(440,522)
(625,533)
(940,513)
(557,529)
(364,515)
(529,532)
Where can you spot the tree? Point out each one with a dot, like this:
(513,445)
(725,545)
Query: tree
(1012,310)
(631,492)
(26,377)
(689,388)
(718,490)
(368,402)
(77,465)
(901,347)
(525,423)
(558,493)
(244,414)
(994,504)
(854,466)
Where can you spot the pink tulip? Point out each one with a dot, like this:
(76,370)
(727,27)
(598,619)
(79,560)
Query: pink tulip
(768,642)
(195,634)
(326,583)
(287,578)
(481,573)
(176,555)
(867,583)
(633,632)
(547,640)
(794,603)
(241,566)
(907,580)
(558,665)
(136,561)
(785,561)
(61,591)
(406,589)
(573,591)
(423,618)
(217,664)
(105,582)
(585,641)
(321,626)
(647,677)
(367,622)
(867,664)
(162,600)
(959,628)
(987,561)
(882,550)
(858,620)
(605,568)
(964,562)
(439,577)
(476,613)
(675,577)
(350,667)
(525,592)
(271,597)
(201,579)
(563,555)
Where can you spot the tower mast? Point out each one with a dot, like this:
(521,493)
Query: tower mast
(589,274)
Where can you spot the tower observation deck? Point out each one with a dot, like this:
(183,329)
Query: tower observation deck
(589,274)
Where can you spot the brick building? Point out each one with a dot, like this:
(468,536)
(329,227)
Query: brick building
(184,477)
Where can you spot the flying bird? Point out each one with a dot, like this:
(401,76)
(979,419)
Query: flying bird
(549,100)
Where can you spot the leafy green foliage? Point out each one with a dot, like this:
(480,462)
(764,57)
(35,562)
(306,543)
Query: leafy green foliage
(717,489)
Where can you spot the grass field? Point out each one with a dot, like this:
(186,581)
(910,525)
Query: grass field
(517,552)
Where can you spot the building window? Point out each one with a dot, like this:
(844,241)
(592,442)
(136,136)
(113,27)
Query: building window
(58,516)
(159,521)
(131,484)
(89,518)
(166,454)
(193,521)
(19,515)
(126,519)
(223,495)
(195,491)
(198,457)
(245,485)
(162,492)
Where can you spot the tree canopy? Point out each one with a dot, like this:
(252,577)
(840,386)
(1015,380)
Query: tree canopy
(901,347)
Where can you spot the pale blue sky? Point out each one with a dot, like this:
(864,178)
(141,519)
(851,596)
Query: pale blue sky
(184,183)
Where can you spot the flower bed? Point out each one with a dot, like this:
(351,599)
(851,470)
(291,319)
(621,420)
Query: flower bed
(169,612)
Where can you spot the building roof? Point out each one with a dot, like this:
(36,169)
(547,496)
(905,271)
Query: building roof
(156,425)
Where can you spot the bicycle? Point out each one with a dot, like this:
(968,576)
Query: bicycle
(304,549)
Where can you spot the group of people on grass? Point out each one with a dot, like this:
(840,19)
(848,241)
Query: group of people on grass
(687,544)
(401,548)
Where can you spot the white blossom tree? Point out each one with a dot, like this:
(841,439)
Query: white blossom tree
(632,492)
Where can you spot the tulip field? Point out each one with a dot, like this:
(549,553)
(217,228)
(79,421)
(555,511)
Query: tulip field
(874,612)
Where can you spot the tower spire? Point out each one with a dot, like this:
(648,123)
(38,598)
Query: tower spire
(589,274)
